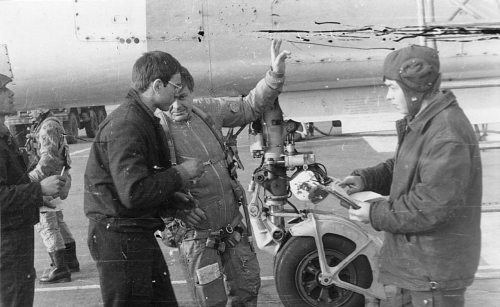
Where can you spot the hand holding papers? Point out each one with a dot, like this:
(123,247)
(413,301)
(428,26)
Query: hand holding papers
(368,196)
(351,201)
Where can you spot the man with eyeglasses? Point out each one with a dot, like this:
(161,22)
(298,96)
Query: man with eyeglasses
(129,180)
(177,89)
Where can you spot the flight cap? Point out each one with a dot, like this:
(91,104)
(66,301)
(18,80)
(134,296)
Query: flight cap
(416,69)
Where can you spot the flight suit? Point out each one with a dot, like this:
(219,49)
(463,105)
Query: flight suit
(218,192)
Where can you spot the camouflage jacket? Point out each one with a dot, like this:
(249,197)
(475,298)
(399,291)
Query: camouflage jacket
(49,153)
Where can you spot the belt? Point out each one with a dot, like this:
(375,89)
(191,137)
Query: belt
(228,229)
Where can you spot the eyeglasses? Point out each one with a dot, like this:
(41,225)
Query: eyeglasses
(177,88)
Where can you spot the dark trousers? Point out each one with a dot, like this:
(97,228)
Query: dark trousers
(433,298)
(131,267)
(17,271)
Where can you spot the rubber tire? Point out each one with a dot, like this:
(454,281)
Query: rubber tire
(71,127)
(101,114)
(91,126)
(298,251)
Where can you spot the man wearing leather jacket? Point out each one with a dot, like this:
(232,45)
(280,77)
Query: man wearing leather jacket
(129,180)
(214,233)
(20,199)
(432,219)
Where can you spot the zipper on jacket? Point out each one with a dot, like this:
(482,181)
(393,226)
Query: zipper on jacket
(213,167)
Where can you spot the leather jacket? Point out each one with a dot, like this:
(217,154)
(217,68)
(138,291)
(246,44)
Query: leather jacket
(432,219)
(129,178)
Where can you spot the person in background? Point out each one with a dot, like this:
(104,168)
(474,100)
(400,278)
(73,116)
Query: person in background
(129,180)
(432,219)
(20,199)
(49,155)
(213,232)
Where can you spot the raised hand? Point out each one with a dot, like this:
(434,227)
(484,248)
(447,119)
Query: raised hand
(278,58)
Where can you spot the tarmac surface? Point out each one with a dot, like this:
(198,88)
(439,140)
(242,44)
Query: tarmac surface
(340,155)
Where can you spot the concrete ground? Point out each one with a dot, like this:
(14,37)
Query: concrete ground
(339,155)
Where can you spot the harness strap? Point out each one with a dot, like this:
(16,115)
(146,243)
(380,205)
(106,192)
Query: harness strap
(168,134)
(226,146)
(210,123)
(170,139)
(220,157)
(203,234)
(228,143)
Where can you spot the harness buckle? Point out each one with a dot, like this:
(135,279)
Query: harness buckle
(434,285)
(229,229)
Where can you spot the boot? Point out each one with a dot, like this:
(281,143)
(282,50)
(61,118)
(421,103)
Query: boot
(70,257)
(60,272)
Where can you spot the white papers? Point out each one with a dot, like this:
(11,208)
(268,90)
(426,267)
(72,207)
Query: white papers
(354,199)
(368,196)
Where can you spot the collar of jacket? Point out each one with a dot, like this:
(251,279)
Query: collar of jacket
(190,115)
(134,95)
(438,103)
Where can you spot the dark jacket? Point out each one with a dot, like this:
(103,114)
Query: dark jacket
(129,177)
(19,197)
(432,219)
